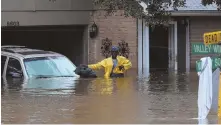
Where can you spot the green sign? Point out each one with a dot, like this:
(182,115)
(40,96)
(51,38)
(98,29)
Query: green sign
(200,48)
(216,62)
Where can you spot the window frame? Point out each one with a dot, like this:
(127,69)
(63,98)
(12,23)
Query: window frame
(5,65)
(21,64)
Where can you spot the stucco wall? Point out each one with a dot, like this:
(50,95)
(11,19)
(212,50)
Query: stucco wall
(34,5)
(46,12)
(198,26)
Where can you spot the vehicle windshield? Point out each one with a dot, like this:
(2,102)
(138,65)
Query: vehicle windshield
(56,66)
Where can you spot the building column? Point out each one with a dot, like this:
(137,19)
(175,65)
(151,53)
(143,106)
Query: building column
(143,49)
(86,46)
(146,51)
(140,45)
(188,46)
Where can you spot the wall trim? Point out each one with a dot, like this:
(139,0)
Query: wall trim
(192,13)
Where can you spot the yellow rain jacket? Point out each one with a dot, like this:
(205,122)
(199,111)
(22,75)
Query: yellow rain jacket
(107,64)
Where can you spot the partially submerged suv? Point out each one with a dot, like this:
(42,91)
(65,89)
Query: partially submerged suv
(22,62)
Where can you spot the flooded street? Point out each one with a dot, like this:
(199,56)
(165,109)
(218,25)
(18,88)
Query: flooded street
(164,99)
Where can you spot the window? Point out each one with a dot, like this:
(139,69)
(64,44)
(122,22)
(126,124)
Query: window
(14,68)
(49,66)
(3,60)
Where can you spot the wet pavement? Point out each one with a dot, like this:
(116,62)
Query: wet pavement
(164,98)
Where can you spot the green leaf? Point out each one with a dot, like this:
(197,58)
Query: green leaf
(157,14)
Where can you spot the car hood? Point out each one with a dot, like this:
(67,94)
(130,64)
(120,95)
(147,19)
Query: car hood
(50,83)
(57,85)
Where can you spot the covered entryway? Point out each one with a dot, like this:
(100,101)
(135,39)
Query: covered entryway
(162,48)
(68,40)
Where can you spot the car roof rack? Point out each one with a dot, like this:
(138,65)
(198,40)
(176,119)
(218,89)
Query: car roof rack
(7,48)
(23,50)
(12,46)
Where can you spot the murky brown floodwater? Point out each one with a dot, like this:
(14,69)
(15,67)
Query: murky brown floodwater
(164,99)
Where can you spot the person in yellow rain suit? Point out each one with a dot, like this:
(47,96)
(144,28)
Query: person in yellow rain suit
(114,66)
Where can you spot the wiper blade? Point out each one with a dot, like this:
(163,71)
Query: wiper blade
(65,76)
(44,76)
(49,76)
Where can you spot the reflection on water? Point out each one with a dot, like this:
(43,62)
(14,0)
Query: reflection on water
(161,98)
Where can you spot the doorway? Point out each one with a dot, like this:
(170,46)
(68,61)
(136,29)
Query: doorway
(163,48)
(158,48)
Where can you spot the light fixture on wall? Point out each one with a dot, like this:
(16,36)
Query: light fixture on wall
(93,30)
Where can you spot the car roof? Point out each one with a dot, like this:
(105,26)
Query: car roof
(24,52)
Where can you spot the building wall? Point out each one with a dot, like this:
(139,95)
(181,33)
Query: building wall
(116,28)
(46,12)
(198,26)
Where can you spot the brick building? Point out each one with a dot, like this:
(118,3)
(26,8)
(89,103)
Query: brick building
(63,26)
(159,48)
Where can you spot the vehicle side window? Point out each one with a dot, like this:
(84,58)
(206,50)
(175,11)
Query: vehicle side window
(3,60)
(14,68)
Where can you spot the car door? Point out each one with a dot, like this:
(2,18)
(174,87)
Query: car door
(14,69)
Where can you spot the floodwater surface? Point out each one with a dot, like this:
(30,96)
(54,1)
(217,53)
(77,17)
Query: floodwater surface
(161,99)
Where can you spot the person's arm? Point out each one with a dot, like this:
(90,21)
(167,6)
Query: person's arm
(97,66)
(127,63)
